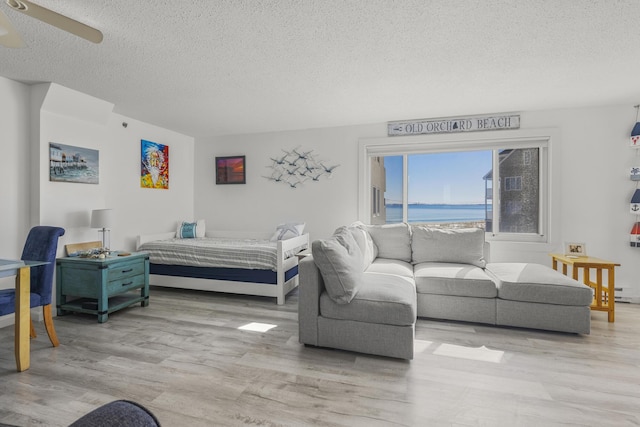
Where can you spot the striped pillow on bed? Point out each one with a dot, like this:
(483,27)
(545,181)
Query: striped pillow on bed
(191,230)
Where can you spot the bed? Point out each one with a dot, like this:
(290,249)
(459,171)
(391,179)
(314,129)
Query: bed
(235,262)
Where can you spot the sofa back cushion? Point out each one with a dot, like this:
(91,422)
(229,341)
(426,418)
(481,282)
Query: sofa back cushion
(463,246)
(365,243)
(340,262)
(393,240)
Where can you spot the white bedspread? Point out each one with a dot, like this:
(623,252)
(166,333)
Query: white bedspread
(214,252)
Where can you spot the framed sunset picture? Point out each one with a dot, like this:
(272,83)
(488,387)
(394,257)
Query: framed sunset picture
(231,170)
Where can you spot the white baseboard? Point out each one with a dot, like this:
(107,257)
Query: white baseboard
(7,320)
(10,319)
(630,300)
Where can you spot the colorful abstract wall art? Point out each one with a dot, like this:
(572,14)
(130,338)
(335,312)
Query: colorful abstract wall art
(154,165)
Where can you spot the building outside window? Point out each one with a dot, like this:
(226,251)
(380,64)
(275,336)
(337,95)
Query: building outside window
(378,183)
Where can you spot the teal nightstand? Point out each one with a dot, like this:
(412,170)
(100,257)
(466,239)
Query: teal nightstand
(102,286)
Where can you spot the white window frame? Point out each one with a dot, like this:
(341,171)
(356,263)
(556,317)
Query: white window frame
(429,144)
(376,205)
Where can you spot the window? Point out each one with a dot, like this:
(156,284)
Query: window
(499,186)
(513,183)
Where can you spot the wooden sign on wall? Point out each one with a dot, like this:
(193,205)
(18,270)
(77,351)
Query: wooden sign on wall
(454,125)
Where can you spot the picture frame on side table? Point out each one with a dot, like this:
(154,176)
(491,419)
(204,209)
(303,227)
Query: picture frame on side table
(231,170)
(575,249)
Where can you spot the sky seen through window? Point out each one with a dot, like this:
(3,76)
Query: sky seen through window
(440,178)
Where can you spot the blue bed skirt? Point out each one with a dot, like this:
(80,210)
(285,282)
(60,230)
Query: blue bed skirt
(231,274)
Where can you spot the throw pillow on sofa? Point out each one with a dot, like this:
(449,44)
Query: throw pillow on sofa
(463,246)
(340,261)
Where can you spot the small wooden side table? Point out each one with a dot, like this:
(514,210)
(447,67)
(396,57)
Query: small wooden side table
(604,296)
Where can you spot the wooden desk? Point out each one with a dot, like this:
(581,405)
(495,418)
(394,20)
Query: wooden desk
(604,296)
(22,271)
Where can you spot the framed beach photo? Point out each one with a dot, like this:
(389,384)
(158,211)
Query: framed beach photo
(68,163)
(575,249)
(231,170)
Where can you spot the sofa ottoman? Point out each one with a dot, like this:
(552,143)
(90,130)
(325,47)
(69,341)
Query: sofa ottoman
(536,296)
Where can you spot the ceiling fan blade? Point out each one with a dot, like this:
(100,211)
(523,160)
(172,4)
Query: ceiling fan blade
(9,37)
(53,18)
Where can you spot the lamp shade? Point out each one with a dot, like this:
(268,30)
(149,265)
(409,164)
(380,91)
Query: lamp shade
(101,218)
(635,135)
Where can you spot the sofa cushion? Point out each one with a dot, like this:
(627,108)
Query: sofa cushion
(392,240)
(538,283)
(463,246)
(340,262)
(365,243)
(383,299)
(453,279)
(391,266)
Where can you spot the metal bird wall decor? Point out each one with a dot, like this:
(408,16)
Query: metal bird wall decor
(297,166)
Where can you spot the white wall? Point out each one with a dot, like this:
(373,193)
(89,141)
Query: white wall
(591,189)
(261,204)
(14,178)
(594,185)
(136,210)
(33,116)
(14,181)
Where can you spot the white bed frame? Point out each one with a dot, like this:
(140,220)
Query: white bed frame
(279,290)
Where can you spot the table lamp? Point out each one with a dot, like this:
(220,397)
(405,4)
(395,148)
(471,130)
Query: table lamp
(102,218)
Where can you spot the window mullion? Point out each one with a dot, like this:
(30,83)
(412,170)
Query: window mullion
(495,217)
(405,188)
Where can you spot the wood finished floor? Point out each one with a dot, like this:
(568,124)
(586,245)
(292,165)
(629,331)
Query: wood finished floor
(185,359)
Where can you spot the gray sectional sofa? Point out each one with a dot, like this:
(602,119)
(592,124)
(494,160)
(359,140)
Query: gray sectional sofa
(363,288)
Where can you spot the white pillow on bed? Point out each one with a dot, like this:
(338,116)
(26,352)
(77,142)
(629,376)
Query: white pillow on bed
(189,230)
(288,230)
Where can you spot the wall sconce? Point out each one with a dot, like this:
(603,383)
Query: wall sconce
(103,218)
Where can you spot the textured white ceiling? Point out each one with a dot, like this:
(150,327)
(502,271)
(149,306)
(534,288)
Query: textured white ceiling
(215,67)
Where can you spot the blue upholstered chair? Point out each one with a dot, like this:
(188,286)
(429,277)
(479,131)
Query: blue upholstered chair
(120,413)
(41,245)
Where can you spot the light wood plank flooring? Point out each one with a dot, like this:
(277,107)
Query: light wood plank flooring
(185,359)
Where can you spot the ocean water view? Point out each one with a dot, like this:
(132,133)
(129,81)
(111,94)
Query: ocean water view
(436,213)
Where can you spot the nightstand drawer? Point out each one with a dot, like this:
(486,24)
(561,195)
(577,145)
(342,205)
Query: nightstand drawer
(122,285)
(129,269)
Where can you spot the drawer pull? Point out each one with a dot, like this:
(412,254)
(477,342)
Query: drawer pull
(126,271)
(127,284)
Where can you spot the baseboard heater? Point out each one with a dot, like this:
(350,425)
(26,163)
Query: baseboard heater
(623,297)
